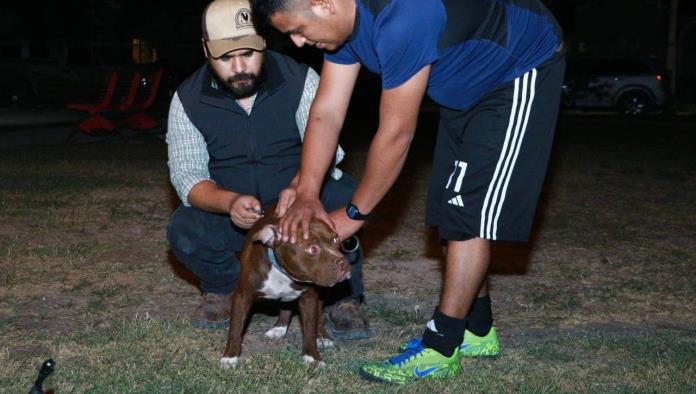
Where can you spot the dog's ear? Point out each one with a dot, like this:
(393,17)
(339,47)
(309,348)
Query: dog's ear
(267,235)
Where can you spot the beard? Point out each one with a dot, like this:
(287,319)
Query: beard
(241,85)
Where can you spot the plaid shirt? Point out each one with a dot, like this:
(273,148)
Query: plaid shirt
(188,151)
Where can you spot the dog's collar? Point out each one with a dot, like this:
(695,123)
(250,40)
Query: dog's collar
(275,264)
(274,261)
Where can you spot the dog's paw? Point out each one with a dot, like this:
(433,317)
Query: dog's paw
(276,332)
(323,343)
(228,362)
(312,362)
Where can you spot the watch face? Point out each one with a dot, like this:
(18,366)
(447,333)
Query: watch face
(354,213)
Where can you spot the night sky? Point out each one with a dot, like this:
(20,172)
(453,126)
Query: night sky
(616,27)
(117,20)
(103,20)
(172,21)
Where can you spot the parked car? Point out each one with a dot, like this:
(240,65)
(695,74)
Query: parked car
(632,86)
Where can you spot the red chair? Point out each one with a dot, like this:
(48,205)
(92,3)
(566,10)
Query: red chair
(128,94)
(145,98)
(96,123)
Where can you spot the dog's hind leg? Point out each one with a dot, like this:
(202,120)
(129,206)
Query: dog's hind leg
(323,338)
(280,328)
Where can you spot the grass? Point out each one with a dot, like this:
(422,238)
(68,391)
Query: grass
(172,357)
(600,301)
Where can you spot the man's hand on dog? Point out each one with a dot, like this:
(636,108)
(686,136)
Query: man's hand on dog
(285,199)
(296,212)
(245,210)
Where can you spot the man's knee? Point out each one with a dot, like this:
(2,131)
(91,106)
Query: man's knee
(181,229)
(176,236)
(470,251)
(193,233)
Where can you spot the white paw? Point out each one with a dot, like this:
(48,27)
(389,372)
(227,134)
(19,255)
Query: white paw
(228,362)
(310,361)
(276,332)
(323,343)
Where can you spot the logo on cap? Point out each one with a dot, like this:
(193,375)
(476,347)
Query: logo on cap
(243,18)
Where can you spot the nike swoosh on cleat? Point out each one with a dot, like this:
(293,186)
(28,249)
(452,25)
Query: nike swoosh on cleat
(426,371)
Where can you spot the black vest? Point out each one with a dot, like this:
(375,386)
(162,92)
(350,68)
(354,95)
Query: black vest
(256,154)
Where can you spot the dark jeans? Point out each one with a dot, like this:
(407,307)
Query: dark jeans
(207,243)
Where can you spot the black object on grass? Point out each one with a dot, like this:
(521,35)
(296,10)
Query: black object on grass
(46,369)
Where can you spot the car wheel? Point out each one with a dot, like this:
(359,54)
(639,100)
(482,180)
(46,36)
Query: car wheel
(634,103)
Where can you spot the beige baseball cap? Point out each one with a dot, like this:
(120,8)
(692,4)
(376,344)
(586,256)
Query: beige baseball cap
(227,26)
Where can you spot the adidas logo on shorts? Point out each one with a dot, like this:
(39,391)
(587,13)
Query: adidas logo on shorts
(456,201)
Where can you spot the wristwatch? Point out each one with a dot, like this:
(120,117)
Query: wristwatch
(354,213)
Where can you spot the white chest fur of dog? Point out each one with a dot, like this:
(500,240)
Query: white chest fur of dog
(278,287)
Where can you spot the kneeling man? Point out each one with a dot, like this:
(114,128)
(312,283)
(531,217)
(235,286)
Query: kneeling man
(234,140)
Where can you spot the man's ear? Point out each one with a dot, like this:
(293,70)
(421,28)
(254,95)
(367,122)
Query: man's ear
(267,235)
(205,48)
(328,5)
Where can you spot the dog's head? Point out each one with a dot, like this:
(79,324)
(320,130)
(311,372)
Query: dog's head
(317,259)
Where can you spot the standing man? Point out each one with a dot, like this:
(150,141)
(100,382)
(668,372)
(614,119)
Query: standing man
(234,137)
(496,68)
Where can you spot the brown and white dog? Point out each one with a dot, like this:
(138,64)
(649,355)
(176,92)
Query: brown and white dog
(275,270)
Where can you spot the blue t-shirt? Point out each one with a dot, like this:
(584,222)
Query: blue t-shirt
(473,45)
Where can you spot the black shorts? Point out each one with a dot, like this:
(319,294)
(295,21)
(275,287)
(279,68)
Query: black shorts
(490,160)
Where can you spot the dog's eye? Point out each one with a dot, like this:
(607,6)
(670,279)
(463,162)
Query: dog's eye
(313,250)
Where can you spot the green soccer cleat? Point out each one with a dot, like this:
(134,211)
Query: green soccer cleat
(486,346)
(413,364)
(472,345)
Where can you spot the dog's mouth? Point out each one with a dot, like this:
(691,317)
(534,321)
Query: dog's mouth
(342,272)
(343,276)
(327,278)
(340,278)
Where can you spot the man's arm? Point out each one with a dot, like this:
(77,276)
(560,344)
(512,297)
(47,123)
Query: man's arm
(302,115)
(287,195)
(188,166)
(321,139)
(398,113)
(399,108)
(325,122)
(187,152)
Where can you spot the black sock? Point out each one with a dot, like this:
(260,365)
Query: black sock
(480,318)
(448,336)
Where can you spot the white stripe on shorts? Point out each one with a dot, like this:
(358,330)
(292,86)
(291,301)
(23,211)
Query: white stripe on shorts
(517,126)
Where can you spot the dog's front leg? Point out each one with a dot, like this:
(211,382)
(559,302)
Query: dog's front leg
(309,317)
(241,304)
(323,338)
